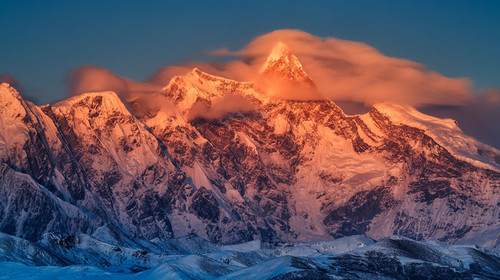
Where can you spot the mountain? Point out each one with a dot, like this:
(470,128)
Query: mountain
(284,76)
(226,161)
(284,64)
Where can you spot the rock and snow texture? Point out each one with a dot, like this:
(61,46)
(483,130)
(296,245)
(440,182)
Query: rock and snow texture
(446,133)
(353,257)
(268,169)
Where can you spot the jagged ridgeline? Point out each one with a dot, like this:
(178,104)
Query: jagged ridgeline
(271,169)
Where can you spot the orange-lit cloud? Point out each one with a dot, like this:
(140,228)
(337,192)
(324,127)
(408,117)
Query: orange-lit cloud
(353,71)
(342,70)
(490,97)
(90,78)
(231,103)
(145,96)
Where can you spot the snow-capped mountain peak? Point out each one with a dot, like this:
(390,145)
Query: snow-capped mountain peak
(184,91)
(105,100)
(13,132)
(282,63)
(279,50)
(7,92)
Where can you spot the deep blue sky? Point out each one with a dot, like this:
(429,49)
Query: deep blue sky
(42,40)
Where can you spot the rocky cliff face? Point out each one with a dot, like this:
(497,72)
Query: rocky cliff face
(268,168)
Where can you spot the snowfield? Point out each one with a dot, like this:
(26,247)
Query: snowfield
(345,258)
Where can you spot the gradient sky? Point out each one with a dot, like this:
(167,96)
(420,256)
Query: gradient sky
(42,40)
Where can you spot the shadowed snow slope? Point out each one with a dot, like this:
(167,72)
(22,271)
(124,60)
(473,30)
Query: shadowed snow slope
(345,258)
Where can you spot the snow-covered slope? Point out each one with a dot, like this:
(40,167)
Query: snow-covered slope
(446,133)
(198,86)
(345,258)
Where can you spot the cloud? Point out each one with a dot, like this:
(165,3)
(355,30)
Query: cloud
(12,81)
(165,74)
(145,98)
(148,105)
(231,103)
(352,71)
(235,70)
(490,97)
(347,72)
(356,76)
(15,83)
(89,78)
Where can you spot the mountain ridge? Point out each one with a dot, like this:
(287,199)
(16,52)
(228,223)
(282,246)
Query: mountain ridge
(270,169)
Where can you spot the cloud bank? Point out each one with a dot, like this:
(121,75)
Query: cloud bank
(352,71)
(344,71)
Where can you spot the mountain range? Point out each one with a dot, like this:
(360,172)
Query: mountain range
(227,162)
